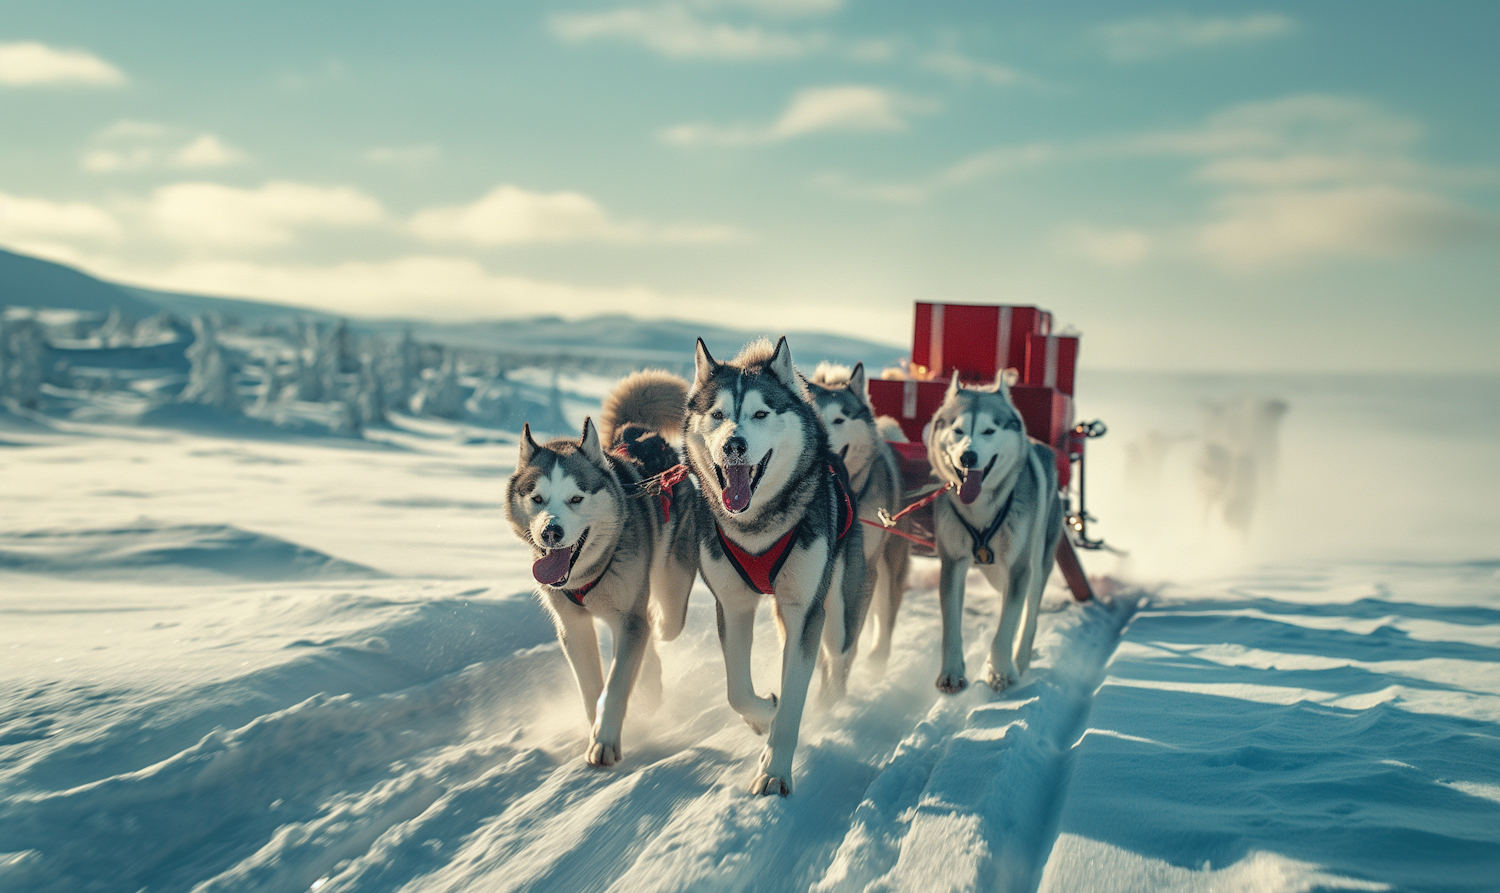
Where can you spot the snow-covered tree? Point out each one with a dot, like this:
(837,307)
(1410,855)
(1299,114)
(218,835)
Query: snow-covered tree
(117,330)
(23,352)
(211,376)
(440,394)
(369,398)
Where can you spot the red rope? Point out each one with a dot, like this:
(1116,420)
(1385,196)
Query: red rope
(916,539)
(887,522)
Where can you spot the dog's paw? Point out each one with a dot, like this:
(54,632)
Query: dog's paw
(952,683)
(1001,679)
(602,754)
(766,785)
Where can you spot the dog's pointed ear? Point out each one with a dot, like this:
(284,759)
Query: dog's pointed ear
(589,443)
(528,445)
(952,387)
(858,384)
(781,366)
(1004,379)
(704,362)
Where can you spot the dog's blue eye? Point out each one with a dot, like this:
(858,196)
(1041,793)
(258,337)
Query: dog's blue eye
(761,414)
(575,500)
(536,498)
(717,415)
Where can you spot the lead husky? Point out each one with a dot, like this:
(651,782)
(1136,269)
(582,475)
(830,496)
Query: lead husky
(1002,513)
(605,548)
(782,526)
(842,397)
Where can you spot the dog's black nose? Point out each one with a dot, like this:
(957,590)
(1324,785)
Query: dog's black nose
(969,458)
(552,534)
(735,448)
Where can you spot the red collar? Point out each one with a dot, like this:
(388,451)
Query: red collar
(576,595)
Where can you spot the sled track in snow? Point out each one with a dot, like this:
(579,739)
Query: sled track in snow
(472,779)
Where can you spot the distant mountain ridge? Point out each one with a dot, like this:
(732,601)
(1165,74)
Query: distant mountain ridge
(32,282)
(27,281)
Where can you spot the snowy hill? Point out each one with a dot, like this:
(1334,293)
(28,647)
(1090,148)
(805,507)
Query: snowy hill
(31,282)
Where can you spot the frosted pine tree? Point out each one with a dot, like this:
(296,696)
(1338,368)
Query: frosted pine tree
(211,376)
(369,399)
(23,352)
(441,394)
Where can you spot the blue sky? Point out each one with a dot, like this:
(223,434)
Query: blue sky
(1208,186)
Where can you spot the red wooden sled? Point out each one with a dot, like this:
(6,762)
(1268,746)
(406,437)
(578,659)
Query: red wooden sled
(978,341)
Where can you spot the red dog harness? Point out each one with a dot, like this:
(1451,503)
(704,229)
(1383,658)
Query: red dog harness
(759,571)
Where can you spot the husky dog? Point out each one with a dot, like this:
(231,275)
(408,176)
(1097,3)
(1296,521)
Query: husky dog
(843,399)
(1002,513)
(783,526)
(612,541)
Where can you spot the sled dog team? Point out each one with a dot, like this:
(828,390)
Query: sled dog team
(785,469)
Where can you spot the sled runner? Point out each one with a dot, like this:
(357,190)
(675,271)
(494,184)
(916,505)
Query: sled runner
(978,342)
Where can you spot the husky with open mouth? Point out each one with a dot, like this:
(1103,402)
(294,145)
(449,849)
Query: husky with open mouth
(842,397)
(612,539)
(1002,514)
(782,524)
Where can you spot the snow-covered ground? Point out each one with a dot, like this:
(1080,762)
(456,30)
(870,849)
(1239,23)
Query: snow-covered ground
(283,663)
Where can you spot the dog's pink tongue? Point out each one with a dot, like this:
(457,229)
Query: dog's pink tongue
(970,489)
(552,568)
(737,490)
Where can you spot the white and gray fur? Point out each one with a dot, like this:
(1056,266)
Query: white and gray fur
(842,397)
(754,411)
(979,432)
(581,496)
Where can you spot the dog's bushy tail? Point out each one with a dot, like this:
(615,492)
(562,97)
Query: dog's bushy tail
(651,399)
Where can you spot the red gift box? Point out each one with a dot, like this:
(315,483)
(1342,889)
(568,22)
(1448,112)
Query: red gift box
(1051,361)
(977,340)
(910,403)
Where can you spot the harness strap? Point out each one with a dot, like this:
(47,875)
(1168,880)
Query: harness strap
(758,571)
(983,554)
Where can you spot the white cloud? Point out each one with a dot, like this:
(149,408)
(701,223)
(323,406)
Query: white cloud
(509,215)
(1148,38)
(231,218)
(678,32)
(1110,248)
(994,162)
(206,150)
(31,64)
(964,70)
(432,287)
(142,145)
(37,218)
(846,109)
(1288,226)
(786,8)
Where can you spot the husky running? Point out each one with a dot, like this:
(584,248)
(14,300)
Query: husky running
(1002,514)
(842,397)
(782,524)
(611,540)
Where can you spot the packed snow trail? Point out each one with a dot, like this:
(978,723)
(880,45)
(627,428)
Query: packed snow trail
(1311,732)
(443,751)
